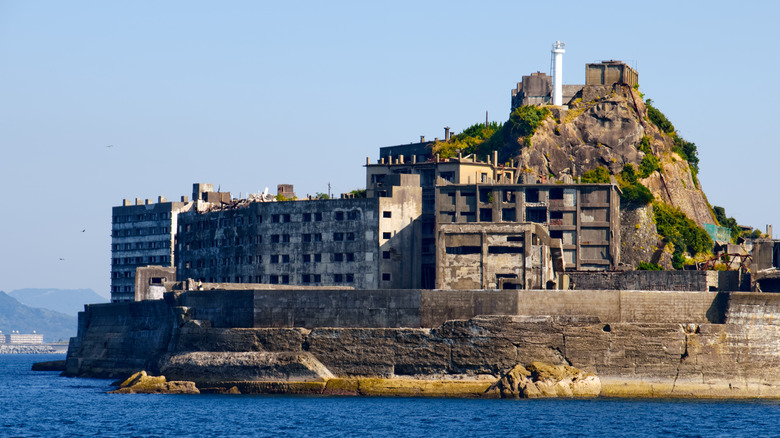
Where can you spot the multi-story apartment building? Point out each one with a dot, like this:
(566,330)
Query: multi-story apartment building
(585,217)
(417,159)
(367,243)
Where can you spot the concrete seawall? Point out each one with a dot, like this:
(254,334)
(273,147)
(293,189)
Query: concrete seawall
(685,344)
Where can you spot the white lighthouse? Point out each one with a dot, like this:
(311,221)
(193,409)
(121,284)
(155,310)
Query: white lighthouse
(557,52)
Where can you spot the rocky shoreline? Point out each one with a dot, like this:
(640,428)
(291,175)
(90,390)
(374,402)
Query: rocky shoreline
(31,349)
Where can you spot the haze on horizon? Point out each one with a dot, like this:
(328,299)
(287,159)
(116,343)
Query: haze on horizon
(106,100)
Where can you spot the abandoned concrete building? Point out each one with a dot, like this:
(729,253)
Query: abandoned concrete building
(585,217)
(142,233)
(416,159)
(366,243)
(537,89)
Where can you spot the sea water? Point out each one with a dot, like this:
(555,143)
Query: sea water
(34,403)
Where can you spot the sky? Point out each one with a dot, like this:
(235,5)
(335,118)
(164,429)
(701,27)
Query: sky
(102,101)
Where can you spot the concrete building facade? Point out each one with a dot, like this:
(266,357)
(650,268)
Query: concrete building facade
(585,217)
(432,171)
(366,243)
(142,233)
(610,72)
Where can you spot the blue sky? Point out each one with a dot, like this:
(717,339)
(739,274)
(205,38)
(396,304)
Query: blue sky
(247,95)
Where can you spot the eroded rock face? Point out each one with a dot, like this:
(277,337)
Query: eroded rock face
(541,379)
(142,383)
(604,127)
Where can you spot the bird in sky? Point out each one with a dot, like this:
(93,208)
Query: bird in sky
(61,259)
(110,146)
(84,230)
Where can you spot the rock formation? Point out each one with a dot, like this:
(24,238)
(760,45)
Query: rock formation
(142,383)
(547,380)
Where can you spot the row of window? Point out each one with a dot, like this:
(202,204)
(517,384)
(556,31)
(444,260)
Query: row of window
(140,231)
(275,238)
(306,279)
(140,217)
(140,260)
(213,222)
(338,257)
(141,245)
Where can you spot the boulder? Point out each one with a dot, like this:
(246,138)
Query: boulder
(142,383)
(541,379)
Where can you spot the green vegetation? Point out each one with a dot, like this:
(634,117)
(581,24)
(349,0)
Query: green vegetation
(634,193)
(675,227)
(281,197)
(686,149)
(319,195)
(482,140)
(648,165)
(358,193)
(728,222)
(647,266)
(658,118)
(524,120)
(644,145)
(599,175)
(470,141)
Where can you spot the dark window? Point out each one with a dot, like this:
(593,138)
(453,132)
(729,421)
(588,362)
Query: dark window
(317,258)
(350,236)
(275,218)
(532,195)
(353,215)
(307,217)
(505,250)
(285,279)
(317,278)
(306,258)
(556,234)
(556,193)
(339,216)
(515,238)
(486,215)
(274,258)
(508,215)
(556,215)
(350,257)
(536,214)
(485,195)
(259,219)
(306,278)
(274,279)
(385,276)
(286,238)
(385,254)
(317,217)
(387,214)
(274,238)
(338,257)
(338,236)
(338,278)
(386,235)
(318,237)
(463,250)
(286,258)
(285,218)
(350,278)
(307,237)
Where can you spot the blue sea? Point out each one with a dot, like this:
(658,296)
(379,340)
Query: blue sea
(43,404)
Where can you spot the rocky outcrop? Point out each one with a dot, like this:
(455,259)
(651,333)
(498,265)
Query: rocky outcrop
(546,380)
(604,126)
(142,383)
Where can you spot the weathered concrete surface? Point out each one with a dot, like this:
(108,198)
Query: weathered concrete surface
(633,353)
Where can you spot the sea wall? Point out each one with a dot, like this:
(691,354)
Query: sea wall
(432,308)
(637,343)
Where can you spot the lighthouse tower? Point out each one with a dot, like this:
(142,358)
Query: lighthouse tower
(557,52)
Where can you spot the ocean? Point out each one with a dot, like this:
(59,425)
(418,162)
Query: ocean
(43,404)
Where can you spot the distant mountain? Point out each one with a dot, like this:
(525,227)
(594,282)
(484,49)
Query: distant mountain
(67,301)
(54,326)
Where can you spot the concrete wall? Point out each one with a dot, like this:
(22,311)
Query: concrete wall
(657,280)
(431,308)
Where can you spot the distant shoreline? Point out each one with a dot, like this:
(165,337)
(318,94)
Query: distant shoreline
(33,348)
